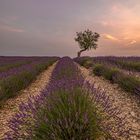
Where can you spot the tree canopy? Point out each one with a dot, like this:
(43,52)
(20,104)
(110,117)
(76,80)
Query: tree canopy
(87,40)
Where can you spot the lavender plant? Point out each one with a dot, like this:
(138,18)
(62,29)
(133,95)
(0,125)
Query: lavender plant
(128,63)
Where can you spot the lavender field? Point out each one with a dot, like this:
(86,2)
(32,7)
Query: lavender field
(69,69)
(72,105)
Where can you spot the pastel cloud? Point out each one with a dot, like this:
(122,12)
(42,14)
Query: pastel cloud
(133,42)
(11,29)
(110,37)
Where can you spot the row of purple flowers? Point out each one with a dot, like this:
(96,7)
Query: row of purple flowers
(18,65)
(128,63)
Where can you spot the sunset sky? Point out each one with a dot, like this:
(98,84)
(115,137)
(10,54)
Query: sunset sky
(48,27)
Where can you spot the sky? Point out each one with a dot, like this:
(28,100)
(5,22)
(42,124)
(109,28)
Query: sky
(48,27)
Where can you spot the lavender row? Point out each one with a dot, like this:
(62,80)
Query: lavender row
(17,70)
(69,108)
(128,63)
(8,67)
(19,78)
(20,69)
(8,61)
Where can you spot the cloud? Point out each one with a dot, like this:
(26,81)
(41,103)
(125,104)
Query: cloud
(11,29)
(131,43)
(110,37)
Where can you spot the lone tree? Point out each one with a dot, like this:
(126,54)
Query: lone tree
(87,40)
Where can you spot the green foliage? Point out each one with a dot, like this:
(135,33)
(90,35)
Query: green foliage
(130,65)
(87,40)
(11,85)
(108,73)
(85,61)
(70,115)
(82,60)
(129,83)
(112,74)
(126,82)
(88,64)
(98,69)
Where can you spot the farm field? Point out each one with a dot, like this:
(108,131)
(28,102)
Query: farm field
(61,98)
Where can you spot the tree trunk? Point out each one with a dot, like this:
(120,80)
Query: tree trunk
(79,53)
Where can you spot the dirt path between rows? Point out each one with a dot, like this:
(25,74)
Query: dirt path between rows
(11,106)
(128,104)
